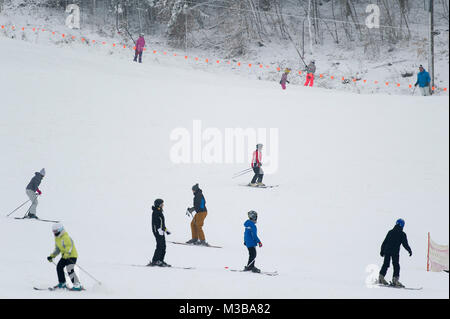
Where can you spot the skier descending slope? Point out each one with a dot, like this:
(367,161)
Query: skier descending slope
(310,69)
(159,230)
(32,191)
(140,44)
(390,249)
(256,165)
(284,78)
(251,240)
(198,236)
(65,245)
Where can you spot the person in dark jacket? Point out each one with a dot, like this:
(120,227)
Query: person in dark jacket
(423,81)
(159,230)
(198,236)
(32,190)
(251,240)
(390,249)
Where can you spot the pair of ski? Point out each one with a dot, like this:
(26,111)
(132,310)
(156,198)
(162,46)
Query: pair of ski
(267,273)
(257,186)
(391,285)
(37,218)
(56,289)
(186,244)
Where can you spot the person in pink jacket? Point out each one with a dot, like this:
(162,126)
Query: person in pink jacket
(140,44)
(284,78)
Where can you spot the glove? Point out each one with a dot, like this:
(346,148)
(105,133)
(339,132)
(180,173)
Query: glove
(410,253)
(381,254)
(244,244)
(415,84)
(288,82)
(50,258)
(38,191)
(168,232)
(280,82)
(260,244)
(160,232)
(191,209)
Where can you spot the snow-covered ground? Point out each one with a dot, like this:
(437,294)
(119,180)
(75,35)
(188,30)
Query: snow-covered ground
(349,166)
(377,65)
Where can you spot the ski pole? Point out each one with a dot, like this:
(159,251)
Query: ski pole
(245,172)
(89,274)
(414,90)
(17,208)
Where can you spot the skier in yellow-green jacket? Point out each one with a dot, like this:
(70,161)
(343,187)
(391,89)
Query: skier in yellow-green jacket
(65,245)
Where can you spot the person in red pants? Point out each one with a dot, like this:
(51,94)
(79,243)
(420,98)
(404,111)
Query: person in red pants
(310,69)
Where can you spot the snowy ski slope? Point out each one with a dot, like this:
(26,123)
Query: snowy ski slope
(349,166)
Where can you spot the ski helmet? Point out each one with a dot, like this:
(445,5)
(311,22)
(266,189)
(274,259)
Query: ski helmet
(195,187)
(42,172)
(259,146)
(158,203)
(252,215)
(400,222)
(57,229)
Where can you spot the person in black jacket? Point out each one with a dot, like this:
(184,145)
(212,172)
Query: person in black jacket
(32,190)
(390,249)
(198,236)
(159,230)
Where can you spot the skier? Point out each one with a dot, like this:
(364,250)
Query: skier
(390,249)
(159,230)
(32,191)
(65,245)
(423,81)
(140,44)
(198,236)
(310,69)
(256,165)
(284,78)
(251,240)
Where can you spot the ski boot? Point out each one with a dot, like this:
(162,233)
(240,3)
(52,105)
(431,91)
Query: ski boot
(256,270)
(396,283)
(60,286)
(77,287)
(154,263)
(31,216)
(252,184)
(246,268)
(164,264)
(382,281)
(203,243)
(191,241)
(261,184)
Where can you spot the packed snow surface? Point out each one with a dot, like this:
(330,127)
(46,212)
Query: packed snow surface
(349,166)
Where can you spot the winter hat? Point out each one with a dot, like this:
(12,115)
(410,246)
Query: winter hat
(57,228)
(287,70)
(252,215)
(158,202)
(195,187)
(259,146)
(400,222)
(42,172)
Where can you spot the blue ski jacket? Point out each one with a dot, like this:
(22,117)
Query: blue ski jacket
(423,78)
(251,234)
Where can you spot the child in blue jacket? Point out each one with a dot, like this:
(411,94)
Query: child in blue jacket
(251,240)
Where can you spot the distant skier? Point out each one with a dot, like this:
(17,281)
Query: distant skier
(65,245)
(256,165)
(423,81)
(310,69)
(140,44)
(251,240)
(33,191)
(198,236)
(159,230)
(284,78)
(390,249)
